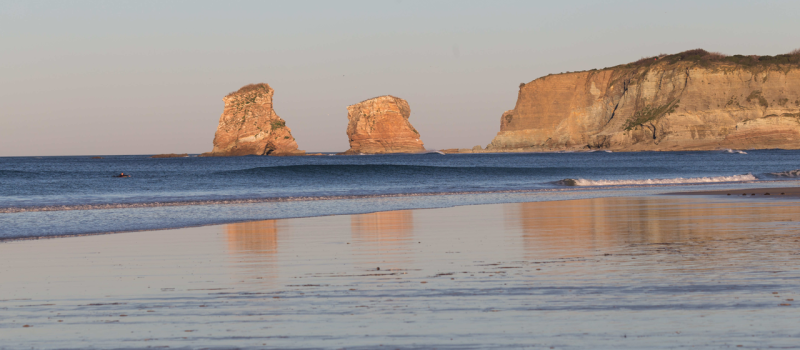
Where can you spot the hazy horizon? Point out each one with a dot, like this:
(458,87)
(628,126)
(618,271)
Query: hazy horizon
(105,78)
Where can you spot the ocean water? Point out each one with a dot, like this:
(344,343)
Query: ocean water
(57,196)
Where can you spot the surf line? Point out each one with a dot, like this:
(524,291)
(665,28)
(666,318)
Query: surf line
(584,187)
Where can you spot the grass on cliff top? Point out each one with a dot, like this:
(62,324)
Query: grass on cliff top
(704,58)
(250,87)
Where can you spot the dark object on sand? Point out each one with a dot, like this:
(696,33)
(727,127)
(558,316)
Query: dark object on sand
(97,157)
(122,175)
(170,155)
(766,194)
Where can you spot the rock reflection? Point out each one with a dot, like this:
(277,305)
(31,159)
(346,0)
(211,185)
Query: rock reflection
(583,227)
(254,246)
(383,236)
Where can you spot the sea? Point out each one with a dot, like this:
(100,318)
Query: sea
(80,195)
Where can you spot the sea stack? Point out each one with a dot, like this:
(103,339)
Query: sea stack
(249,126)
(380,125)
(694,100)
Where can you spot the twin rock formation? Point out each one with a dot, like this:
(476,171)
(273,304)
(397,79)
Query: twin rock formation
(694,100)
(250,126)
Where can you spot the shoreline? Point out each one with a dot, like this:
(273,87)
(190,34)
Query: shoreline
(774,193)
(771,192)
(562,188)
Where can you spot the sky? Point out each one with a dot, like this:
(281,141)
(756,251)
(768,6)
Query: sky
(148,77)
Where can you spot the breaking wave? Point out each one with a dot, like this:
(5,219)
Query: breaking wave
(790,173)
(677,180)
(734,151)
(333,171)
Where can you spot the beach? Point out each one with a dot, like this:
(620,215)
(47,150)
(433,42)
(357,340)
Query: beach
(750,192)
(641,272)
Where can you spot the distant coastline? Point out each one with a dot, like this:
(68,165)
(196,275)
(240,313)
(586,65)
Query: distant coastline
(690,101)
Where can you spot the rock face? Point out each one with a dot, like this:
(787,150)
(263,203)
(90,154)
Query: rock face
(380,125)
(249,126)
(689,101)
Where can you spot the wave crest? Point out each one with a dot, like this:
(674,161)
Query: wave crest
(673,181)
(734,151)
(348,170)
(790,173)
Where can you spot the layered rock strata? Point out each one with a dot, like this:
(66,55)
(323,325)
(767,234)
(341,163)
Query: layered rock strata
(250,126)
(380,125)
(688,101)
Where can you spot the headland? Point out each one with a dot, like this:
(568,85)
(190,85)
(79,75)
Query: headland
(693,100)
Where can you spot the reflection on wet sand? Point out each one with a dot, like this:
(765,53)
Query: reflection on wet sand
(581,227)
(384,233)
(255,237)
(681,271)
(254,245)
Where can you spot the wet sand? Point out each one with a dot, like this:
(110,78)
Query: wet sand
(750,192)
(620,273)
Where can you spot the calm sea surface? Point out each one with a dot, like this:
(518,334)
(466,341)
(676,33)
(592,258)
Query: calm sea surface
(52,196)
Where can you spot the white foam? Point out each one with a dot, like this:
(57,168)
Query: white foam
(677,180)
(734,151)
(790,173)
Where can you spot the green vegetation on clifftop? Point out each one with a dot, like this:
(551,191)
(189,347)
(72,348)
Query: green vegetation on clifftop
(705,58)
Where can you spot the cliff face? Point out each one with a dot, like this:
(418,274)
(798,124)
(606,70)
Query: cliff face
(249,126)
(672,103)
(380,125)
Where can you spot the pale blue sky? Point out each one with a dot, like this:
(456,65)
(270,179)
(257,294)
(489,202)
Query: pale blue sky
(143,77)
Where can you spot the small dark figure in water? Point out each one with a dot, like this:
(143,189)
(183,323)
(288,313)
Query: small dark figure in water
(122,175)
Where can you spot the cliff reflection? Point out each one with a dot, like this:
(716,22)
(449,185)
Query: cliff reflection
(582,227)
(384,234)
(256,237)
(254,245)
